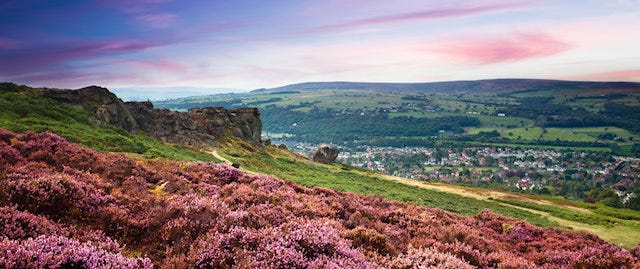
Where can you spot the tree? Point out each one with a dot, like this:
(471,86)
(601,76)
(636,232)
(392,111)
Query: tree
(634,202)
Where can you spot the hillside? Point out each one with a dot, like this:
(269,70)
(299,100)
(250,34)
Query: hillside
(128,211)
(495,86)
(66,206)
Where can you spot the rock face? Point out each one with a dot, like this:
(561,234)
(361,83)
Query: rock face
(325,154)
(107,106)
(199,127)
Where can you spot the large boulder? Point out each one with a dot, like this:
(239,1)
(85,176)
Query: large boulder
(325,154)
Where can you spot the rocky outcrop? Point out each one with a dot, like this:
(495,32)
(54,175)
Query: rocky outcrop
(199,127)
(106,105)
(241,122)
(325,154)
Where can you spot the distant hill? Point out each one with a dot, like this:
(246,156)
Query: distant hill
(479,86)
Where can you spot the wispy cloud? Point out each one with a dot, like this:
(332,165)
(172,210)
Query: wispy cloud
(157,20)
(428,14)
(71,78)
(38,58)
(490,50)
(149,13)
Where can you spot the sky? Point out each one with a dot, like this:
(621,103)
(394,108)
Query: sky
(254,44)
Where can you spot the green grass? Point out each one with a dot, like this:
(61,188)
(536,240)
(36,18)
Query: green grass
(595,131)
(619,226)
(528,133)
(589,134)
(566,134)
(23,109)
(529,146)
(565,213)
(619,213)
(486,121)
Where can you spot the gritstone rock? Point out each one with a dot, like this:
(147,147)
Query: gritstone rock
(325,154)
(199,127)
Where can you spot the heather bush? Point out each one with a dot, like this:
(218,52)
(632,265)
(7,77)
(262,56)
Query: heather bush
(296,244)
(19,225)
(6,136)
(65,206)
(369,240)
(62,252)
(426,258)
(51,193)
(53,150)
(9,156)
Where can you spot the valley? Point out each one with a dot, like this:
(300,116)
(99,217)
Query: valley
(578,140)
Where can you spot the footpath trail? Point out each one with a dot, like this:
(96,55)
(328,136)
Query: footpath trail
(228,162)
(219,157)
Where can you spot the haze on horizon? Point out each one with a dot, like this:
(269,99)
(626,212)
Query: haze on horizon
(256,44)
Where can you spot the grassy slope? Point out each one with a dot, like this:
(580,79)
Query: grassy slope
(22,109)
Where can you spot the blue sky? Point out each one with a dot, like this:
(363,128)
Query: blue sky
(255,44)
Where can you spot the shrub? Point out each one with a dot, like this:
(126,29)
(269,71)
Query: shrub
(62,252)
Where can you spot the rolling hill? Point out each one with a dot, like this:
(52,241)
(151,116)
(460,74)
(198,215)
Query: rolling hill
(495,86)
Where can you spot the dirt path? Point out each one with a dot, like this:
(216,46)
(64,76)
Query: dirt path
(228,162)
(219,157)
(482,194)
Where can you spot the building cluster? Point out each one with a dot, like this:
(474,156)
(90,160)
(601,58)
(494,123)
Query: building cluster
(525,169)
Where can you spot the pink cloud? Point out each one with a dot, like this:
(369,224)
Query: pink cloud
(617,75)
(492,50)
(419,15)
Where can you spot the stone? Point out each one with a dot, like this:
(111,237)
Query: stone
(326,154)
